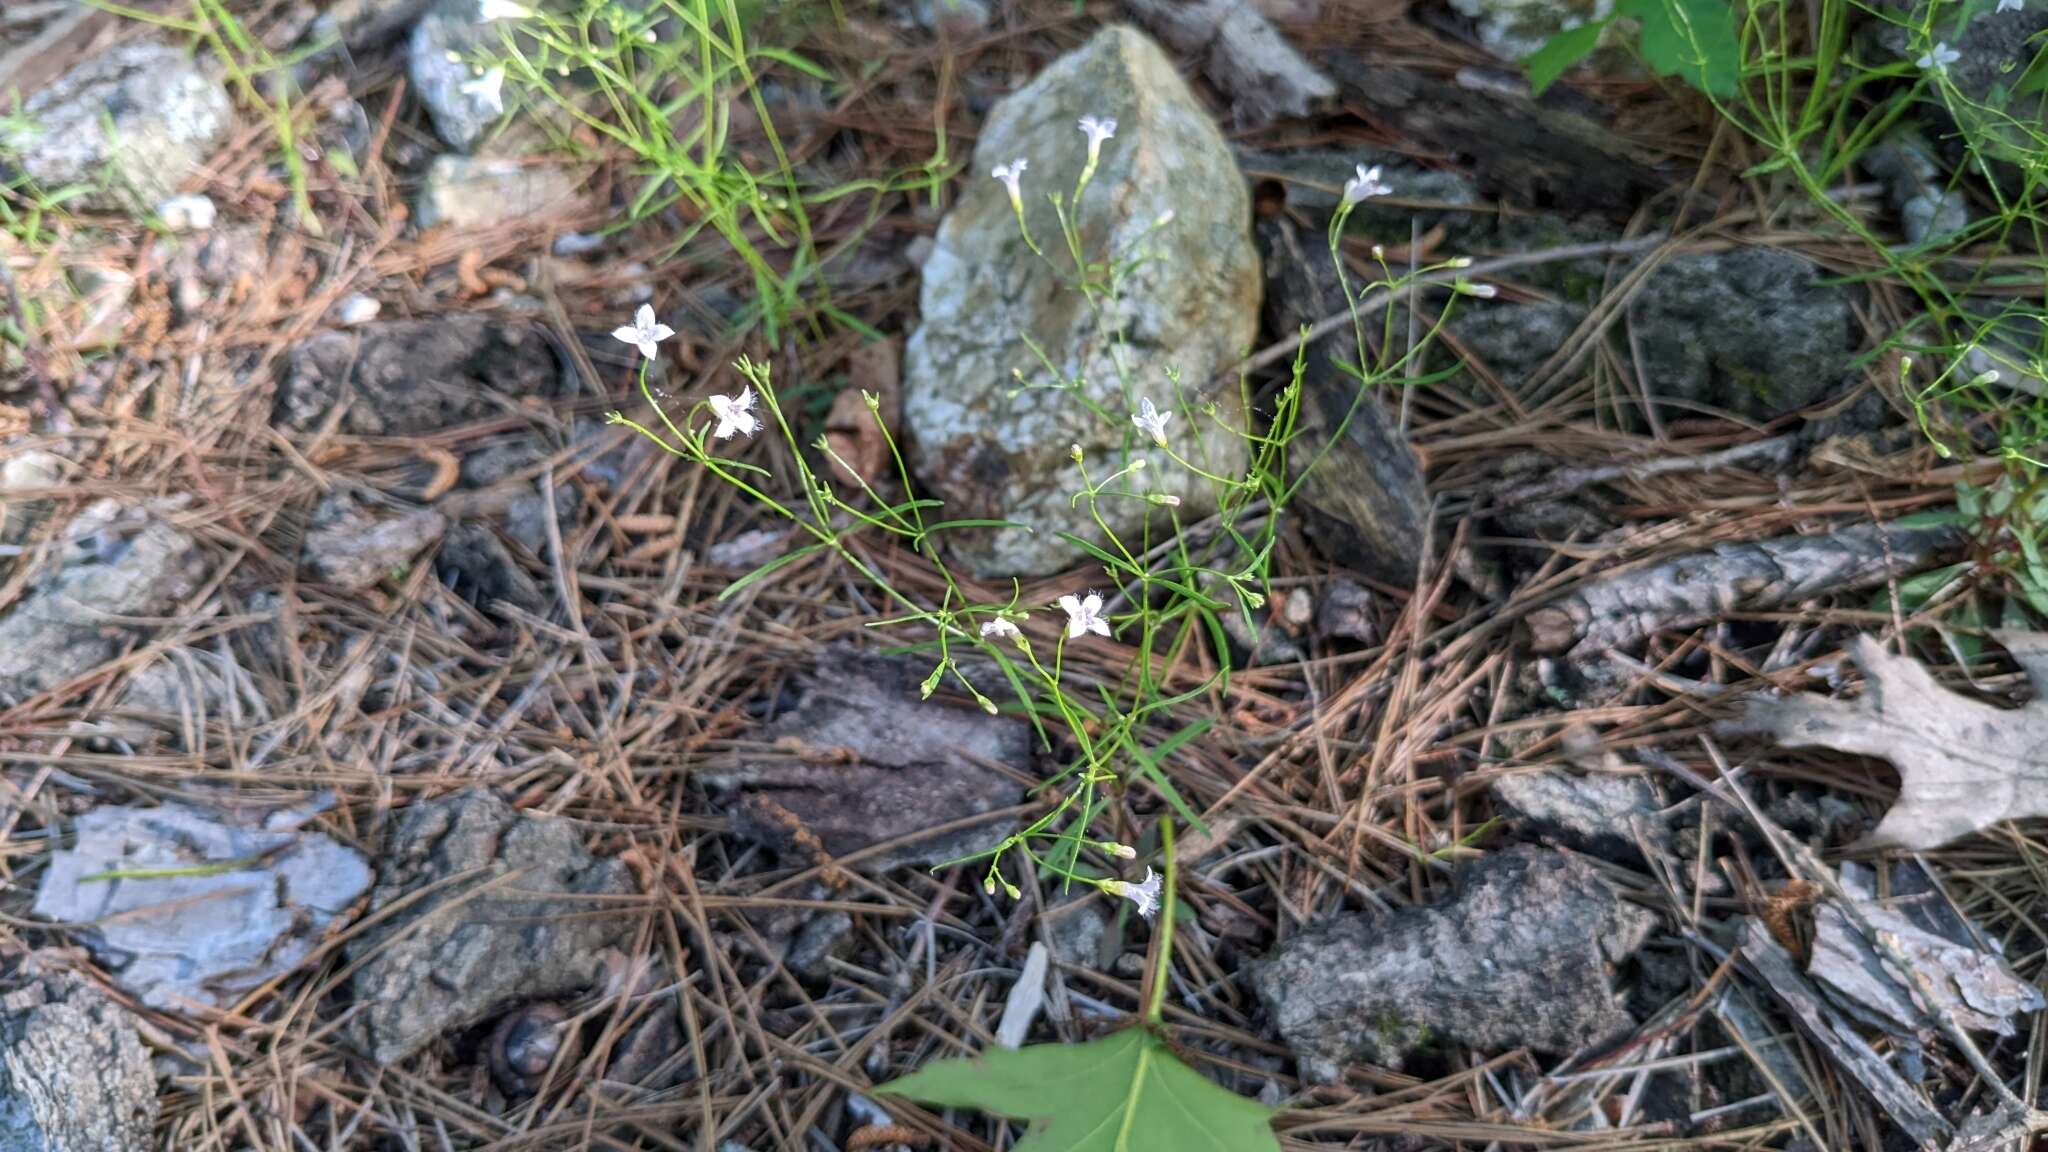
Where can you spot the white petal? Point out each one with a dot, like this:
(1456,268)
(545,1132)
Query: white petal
(1099,626)
(662,332)
(643,318)
(1092,605)
(647,349)
(626,335)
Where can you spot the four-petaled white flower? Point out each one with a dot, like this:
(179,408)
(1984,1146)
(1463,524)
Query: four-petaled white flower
(503,10)
(643,333)
(1000,629)
(1084,615)
(1010,174)
(735,414)
(1145,894)
(1364,185)
(1098,130)
(1939,58)
(1151,421)
(487,88)
(2011,5)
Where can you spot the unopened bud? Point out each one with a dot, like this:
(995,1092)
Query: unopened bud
(989,885)
(1121,851)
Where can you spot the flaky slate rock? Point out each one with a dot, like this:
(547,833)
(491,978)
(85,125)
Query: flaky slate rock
(1601,814)
(130,124)
(74,1076)
(1518,958)
(501,910)
(185,936)
(119,564)
(992,451)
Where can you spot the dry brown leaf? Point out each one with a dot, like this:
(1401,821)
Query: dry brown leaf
(1963,765)
(851,428)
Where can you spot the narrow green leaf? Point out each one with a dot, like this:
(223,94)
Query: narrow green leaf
(1562,51)
(765,570)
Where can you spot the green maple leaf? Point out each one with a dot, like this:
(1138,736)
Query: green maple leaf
(1125,1092)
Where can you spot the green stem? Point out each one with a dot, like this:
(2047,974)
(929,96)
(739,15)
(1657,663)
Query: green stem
(1155,1005)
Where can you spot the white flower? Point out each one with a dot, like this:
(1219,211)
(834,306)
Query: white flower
(1098,131)
(503,10)
(1364,185)
(1084,615)
(2011,5)
(1144,895)
(487,89)
(1938,59)
(643,333)
(1000,629)
(1010,174)
(735,414)
(1151,421)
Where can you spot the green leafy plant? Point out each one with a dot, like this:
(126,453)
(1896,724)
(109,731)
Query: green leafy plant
(1124,1092)
(1171,589)
(1692,39)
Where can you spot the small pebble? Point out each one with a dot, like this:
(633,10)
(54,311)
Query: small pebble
(356,309)
(186,213)
(577,243)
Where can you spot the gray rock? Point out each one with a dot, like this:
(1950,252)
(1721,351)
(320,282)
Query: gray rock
(955,18)
(141,117)
(116,564)
(352,547)
(1599,813)
(1929,206)
(861,760)
(405,377)
(1077,927)
(1512,29)
(823,938)
(1518,958)
(74,1076)
(437,59)
(1348,611)
(1514,340)
(1751,331)
(500,910)
(1241,53)
(192,936)
(990,450)
(465,192)
(478,566)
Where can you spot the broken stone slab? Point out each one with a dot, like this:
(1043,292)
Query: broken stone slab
(117,563)
(129,124)
(189,908)
(1599,814)
(502,907)
(1241,53)
(74,1076)
(353,548)
(1517,958)
(861,760)
(465,192)
(993,450)
(1363,491)
(407,377)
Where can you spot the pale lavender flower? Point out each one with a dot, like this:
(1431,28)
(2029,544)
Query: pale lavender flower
(735,414)
(1144,894)
(1938,58)
(1151,421)
(1098,130)
(1084,615)
(1365,185)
